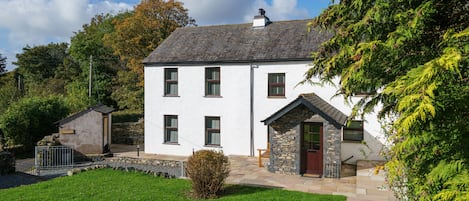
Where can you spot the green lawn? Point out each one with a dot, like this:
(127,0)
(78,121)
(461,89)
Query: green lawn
(108,184)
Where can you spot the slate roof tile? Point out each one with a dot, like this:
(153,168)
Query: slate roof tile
(238,43)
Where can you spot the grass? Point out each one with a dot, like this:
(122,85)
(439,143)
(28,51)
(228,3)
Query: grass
(108,184)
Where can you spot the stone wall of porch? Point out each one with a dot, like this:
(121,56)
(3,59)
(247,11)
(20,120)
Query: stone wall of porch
(285,156)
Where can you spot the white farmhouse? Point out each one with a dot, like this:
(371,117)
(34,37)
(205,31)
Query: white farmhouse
(235,88)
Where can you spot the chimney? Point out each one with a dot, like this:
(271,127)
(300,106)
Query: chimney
(260,21)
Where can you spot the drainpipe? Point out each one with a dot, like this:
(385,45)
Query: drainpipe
(252,108)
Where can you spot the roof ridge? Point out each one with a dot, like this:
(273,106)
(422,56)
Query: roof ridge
(238,24)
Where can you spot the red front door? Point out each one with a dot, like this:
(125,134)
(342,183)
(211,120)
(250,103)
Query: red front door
(311,148)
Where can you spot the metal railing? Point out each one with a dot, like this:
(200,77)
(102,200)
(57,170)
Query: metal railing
(332,170)
(53,157)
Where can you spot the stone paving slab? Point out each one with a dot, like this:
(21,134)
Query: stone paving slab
(245,170)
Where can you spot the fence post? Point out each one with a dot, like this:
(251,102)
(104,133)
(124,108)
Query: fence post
(183,172)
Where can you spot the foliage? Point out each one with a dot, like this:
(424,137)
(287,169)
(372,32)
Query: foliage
(127,94)
(30,119)
(77,96)
(135,37)
(7,162)
(126,116)
(40,62)
(3,64)
(208,170)
(87,48)
(413,58)
(46,69)
(110,184)
(9,89)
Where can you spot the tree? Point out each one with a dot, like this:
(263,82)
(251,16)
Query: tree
(412,56)
(3,64)
(40,62)
(89,43)
(30,119)
(46,69)
(10,89)
(139,34)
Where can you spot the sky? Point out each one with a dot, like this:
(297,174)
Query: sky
(40,22)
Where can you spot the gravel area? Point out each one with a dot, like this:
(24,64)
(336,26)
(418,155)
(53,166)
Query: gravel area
(25,174)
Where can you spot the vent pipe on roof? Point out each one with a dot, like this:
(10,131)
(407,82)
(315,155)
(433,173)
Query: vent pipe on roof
(260,21)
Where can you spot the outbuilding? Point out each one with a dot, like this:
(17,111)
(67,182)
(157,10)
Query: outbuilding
(88,131)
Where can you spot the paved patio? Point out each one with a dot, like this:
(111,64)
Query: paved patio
(244,170)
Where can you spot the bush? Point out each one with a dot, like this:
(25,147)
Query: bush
(30,119)
(208,170)
(7,163)
(126,116)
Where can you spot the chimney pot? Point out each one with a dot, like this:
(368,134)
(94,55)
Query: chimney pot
(261,11)
(260,21)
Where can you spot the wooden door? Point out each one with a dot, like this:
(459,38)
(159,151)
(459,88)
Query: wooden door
(106,134)
(312,148)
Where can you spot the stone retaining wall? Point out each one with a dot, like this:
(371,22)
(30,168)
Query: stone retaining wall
(170,168)
(7,163)
(157,167)
(128,133)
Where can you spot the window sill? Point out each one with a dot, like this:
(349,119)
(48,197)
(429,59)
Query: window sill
(213,146)
(276,97)
(171,96)
(353,141)
(171,143)
(212,96)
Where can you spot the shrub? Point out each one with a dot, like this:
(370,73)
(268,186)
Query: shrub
(7,163)
(126,116)
(208,170)
(30,119)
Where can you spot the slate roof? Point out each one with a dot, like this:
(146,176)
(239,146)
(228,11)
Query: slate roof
(101,108)
(317,105)
(238,43)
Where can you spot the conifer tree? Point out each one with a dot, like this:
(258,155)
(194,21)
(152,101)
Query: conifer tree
(413,58)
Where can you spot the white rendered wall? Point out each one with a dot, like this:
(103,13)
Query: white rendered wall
(233,107)
(192,106)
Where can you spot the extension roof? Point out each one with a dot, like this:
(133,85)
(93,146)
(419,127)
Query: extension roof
(238,43)
(101,108)
(317,105)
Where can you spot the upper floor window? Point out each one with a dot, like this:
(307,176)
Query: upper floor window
(353,131)
(276,84)
(170,129)
(212,131)
(170,81)
(212,81)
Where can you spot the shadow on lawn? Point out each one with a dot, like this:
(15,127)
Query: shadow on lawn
(244,189)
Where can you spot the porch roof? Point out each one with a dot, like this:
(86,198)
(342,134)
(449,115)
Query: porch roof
(317,105)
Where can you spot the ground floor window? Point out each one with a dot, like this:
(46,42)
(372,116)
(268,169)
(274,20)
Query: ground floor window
(212,131)
(171,129)
(353,131)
